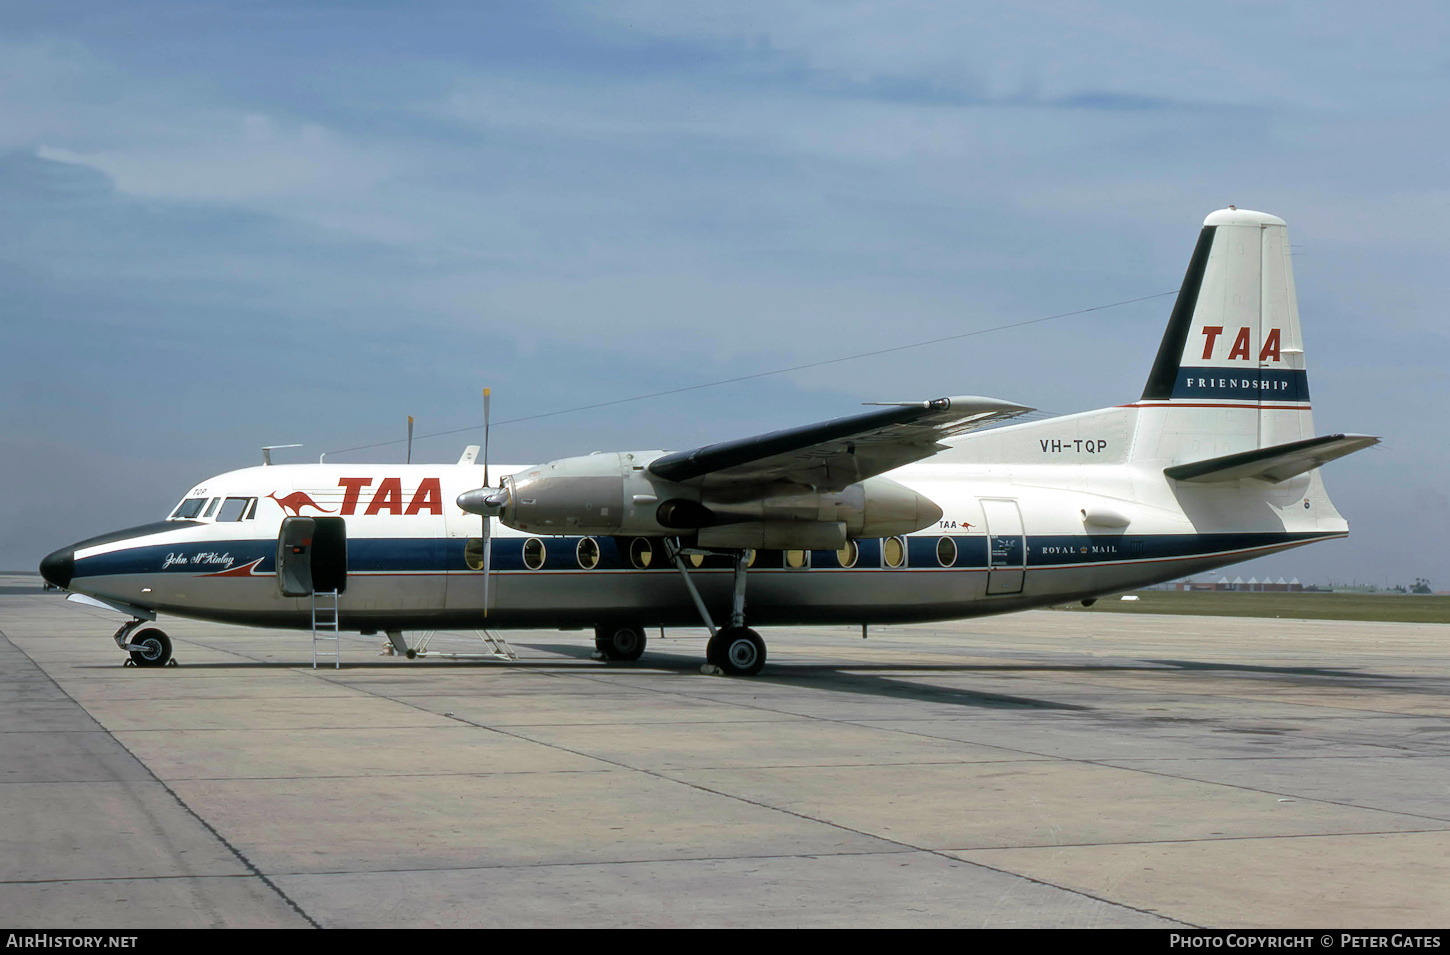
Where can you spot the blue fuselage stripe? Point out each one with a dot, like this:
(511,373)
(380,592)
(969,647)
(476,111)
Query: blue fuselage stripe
(441,555)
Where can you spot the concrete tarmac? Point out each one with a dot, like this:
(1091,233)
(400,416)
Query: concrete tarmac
(1040,769)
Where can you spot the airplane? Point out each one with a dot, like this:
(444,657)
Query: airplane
(908,512)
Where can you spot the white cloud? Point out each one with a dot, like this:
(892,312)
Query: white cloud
(226,157)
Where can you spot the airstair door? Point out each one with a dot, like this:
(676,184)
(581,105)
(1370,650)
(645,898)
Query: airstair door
(312,556)
(294,556)
(1006,547)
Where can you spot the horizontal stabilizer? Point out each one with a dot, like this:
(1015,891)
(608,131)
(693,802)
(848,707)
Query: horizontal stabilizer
(1274,464)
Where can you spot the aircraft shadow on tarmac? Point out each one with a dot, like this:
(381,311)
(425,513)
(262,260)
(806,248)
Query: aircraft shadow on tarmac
(868,679)
(857,678)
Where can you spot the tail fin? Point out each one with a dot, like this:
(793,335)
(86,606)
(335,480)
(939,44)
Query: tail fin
(1233,338)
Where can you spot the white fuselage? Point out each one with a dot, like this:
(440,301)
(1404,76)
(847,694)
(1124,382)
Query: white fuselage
(1067,509)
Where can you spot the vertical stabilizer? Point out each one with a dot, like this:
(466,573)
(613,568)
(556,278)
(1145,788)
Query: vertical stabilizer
(1233,339)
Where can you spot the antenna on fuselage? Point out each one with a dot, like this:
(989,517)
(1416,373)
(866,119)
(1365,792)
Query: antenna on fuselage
(268,449)
(410,439)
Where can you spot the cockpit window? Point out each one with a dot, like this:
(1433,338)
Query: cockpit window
(235,508)
(211,508)
(188,508)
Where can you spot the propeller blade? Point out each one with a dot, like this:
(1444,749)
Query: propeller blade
(487,520)
(487,556)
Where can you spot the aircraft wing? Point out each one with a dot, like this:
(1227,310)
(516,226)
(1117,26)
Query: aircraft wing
(834,454)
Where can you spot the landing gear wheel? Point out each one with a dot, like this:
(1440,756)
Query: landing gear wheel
(739,651)
(619,643)
(155,648)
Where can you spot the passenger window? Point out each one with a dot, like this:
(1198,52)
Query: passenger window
(234,508)
(534,553)
(893,551)
(796,558)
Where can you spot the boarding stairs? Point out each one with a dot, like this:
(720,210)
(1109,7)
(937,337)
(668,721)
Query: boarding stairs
(325,628)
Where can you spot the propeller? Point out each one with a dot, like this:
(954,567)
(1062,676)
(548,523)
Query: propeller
(487,519)
(487,502)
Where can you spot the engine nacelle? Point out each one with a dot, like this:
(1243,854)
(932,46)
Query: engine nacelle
(875,507)
(605,493)
(613,493)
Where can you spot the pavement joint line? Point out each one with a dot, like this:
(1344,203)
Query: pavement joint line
(1107,764)
(129,878)
(280,729)
(248,779)
(606,863)
(247,863)
(1286,795)
(1204,841)
(520,772)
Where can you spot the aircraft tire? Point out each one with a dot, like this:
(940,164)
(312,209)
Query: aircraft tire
(739,651)
(619,642)
(157,648)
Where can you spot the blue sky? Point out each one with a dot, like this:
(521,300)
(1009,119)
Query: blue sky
(225,227)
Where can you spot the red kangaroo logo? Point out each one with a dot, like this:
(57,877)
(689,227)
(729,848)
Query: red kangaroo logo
(296,501)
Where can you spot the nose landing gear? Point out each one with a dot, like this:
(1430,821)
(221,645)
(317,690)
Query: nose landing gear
(148,647)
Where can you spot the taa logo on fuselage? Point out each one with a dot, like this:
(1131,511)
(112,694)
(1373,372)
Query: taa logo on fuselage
(386,499)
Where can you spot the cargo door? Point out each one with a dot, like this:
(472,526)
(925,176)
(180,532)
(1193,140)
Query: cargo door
(1006,547)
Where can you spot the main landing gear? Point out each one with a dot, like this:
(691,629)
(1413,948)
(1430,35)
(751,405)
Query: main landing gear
(619,642)
(735,650)
(148,646)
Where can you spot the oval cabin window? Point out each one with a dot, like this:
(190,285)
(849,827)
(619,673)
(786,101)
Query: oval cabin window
(473,553)
(893,551)
(641,552)
(588,553)
(795,558)
(847,555)
(946,551)
(534,553)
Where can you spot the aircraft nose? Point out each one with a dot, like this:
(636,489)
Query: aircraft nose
(59,567)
